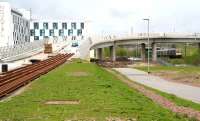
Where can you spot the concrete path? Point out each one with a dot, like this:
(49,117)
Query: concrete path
(180,90)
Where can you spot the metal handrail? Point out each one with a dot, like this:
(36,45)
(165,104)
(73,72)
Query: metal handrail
(20,49)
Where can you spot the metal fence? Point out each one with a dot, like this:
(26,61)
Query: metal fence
(10,53)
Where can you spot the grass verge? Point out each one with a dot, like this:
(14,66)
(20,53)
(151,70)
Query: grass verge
(101,95)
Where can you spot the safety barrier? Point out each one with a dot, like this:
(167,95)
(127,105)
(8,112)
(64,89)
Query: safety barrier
(20,51)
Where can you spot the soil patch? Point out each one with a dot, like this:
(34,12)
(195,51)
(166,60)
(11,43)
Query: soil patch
(78,74)
(82,119)
(120,119)
(107,119)
(173,76)
(63,102)
(142,64)
(115,64)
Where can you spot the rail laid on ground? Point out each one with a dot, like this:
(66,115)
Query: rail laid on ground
(17,78)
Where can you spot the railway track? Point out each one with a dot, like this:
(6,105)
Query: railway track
(17,78)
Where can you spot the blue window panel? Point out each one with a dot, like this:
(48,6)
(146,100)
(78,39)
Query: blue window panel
(61,32)
(32,32)
(42,32)
(64,25)
(45,25)
(51,32)
(82,25)
(55,25)
(70,32)
(73,25)
(36,25)
(79,32)
(36,37)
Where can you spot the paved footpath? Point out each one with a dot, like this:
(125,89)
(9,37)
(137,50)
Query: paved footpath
(180,90)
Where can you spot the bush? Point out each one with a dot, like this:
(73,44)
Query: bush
(177,61)
(193,59)
(121,52)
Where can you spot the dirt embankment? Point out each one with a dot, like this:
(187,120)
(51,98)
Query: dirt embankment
(114,64)
(175,76)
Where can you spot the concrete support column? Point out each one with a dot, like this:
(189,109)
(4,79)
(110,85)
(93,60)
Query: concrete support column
(199,47)
(95,53)
(99,53)
(143,51)
(113,52)
(154,52)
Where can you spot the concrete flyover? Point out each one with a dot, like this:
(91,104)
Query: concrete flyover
(141,38)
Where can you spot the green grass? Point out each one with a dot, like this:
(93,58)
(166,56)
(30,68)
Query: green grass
(189,60)
(180,70)
(100,93)
(177,61)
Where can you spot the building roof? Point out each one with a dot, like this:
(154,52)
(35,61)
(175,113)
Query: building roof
(13,10)
(48,19)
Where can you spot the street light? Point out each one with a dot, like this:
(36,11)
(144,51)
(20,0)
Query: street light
(195,35)
(148,59)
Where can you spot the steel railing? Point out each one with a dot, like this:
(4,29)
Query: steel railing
(109,38)
(21,50)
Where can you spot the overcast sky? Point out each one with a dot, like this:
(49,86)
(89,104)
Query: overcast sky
(118,16)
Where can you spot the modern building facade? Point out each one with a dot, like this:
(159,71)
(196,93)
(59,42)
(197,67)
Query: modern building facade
(14,25)
(17,27)
(57,29)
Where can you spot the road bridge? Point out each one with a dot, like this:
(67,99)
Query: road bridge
(142,39)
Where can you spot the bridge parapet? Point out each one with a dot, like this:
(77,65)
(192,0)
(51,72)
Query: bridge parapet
(158,35)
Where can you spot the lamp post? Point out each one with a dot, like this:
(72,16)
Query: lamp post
(148,59)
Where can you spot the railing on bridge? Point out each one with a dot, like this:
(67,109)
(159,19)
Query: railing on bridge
(107,38)
(160,35)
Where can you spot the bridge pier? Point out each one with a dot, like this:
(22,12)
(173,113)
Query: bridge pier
(143,51)
(154,52)
(199,47)
(99,53)
(95,53)
(113,52)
